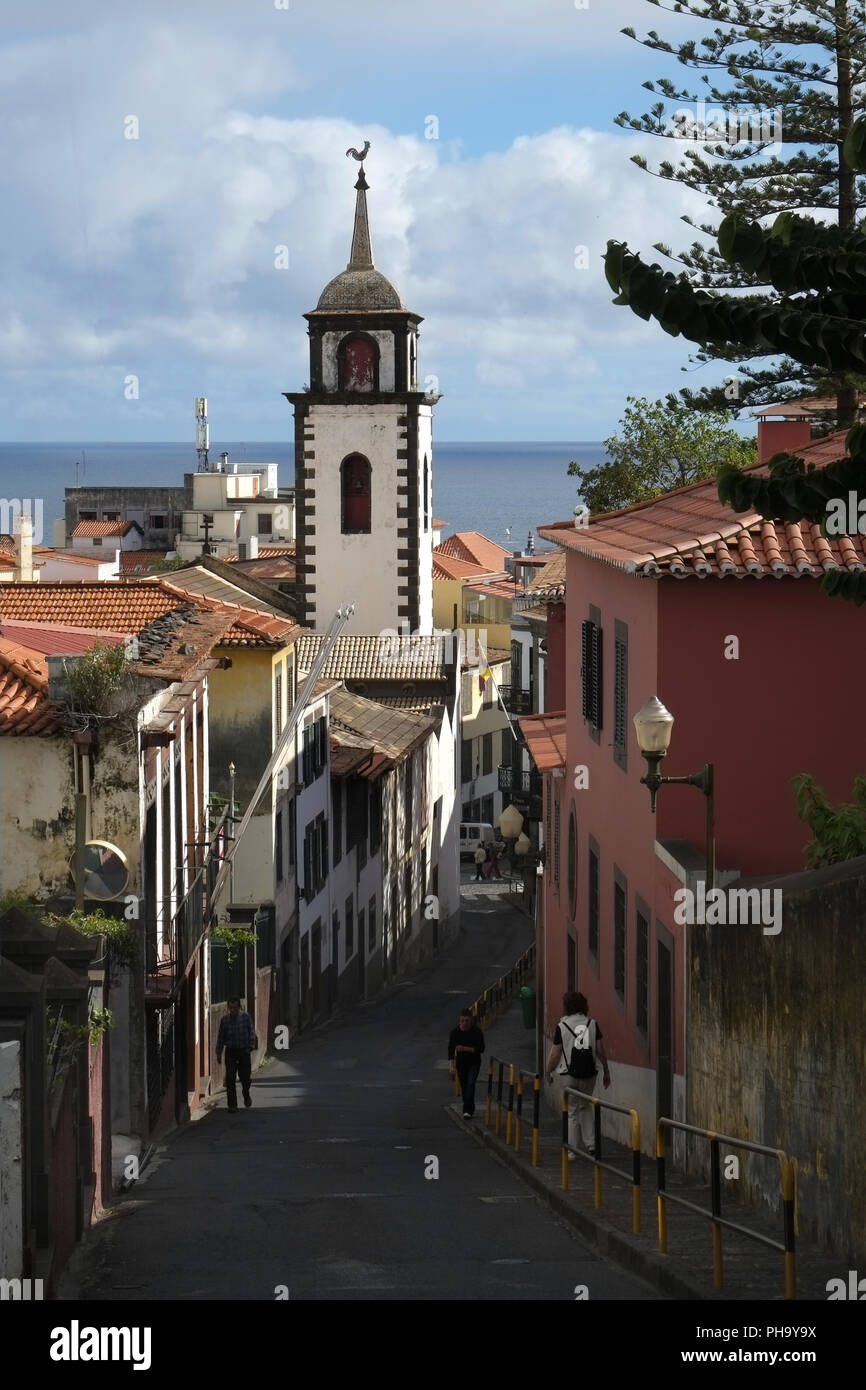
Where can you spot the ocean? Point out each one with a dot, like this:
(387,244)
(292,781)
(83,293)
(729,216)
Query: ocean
(503,490)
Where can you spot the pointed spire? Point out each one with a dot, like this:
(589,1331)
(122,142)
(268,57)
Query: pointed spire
(361,257)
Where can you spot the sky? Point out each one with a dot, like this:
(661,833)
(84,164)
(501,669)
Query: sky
(156,157)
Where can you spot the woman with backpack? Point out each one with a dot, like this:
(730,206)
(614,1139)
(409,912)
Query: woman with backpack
(577,1046)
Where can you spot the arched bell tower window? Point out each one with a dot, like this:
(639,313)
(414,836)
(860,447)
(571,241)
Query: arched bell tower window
(355,488)
(358,363)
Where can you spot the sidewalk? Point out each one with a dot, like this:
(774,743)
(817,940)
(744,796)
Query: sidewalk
(751,1271)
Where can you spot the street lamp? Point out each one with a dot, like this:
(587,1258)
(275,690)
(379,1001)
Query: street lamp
(232,800)
(653,726)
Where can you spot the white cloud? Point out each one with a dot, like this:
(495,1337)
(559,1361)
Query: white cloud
(156,255)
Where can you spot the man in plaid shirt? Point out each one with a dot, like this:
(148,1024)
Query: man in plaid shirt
(237,1037)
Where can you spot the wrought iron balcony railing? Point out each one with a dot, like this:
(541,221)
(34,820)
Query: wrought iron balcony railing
(519,784)
(516,699)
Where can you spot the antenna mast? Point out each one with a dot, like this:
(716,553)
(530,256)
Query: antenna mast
(202,433)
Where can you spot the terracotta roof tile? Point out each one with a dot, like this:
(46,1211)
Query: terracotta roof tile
(689,532)
(545,739)
(471,545)
(358,658)
(549,585)
(24,707)
(140,561)
(129,606)
(89,530)
(455,567)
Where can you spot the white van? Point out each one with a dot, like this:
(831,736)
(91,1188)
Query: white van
(473,834)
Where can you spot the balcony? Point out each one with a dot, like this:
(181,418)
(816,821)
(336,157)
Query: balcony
(515,699)
(519,785)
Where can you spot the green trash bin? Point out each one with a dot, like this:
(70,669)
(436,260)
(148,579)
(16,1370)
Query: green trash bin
(527,1006)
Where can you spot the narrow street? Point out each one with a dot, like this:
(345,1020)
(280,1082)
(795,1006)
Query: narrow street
(321,1186)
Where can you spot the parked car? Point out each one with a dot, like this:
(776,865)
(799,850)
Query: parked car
(473,834)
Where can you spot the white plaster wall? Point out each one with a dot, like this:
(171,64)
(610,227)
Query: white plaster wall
(330,343)
(36,800)
(11,1208)
(425,538)
(253,862)
(311,802)
(361,569)
(59,567)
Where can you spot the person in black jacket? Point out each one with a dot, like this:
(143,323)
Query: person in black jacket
(465,1046)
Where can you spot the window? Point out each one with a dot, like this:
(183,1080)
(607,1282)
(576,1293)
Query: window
(466,760)
(591,672)
(350,927)
(486,754)
(409,808)
(592,934)
(315,750)
(97,540)
(507,741)
(356,493)
(358,363)
(264,524)
(620,695)
(337,816)
(110,516)
(356,816)
(641,972)
(159,521)
(371,922)
(278,845)
(572,863)
(619,936)
(86,516)
(556,841)
(375,818)
(516,664)
(315,857)
(361,932)
(278,700)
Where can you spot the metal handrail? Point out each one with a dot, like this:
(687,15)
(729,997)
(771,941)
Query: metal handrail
(633,1177)
(788,1243)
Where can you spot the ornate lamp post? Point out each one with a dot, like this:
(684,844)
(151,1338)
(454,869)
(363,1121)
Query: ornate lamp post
(653,726)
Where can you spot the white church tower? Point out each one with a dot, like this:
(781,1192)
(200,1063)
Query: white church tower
(364,453)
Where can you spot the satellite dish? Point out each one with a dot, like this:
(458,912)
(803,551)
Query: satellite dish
(106,871)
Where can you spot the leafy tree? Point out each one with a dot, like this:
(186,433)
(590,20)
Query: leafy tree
(839,832)
(660,447)
(801,66)
(818,315)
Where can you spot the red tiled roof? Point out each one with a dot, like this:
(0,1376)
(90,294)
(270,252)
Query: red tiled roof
(471,545)
(265,552)
(88,530)
(9,562)
(549,585)
(453,567)
(795,410)
(24,707)
(140,561)
(545,739)
(129,606)
(690,532)
(59,639)
(439,524)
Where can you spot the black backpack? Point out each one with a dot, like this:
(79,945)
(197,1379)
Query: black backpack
(581,1062)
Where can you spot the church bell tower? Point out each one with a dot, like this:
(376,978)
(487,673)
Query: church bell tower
(364,453)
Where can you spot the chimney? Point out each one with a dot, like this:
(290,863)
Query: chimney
(24,572)
(782,436)
(253,548)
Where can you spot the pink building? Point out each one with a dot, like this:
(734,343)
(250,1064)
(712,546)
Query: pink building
(720,616)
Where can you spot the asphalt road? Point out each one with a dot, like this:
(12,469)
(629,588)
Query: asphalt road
(319,1191)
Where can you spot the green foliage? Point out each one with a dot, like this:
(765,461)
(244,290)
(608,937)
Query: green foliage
(818,316)
(178,563)
(806,60)
(660,447)
(839,832)
(121,935)
(234,939)
(22,902)
(95,676)
(64,1039)
(99,1022)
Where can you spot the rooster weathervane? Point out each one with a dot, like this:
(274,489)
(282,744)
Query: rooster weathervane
(360,155)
